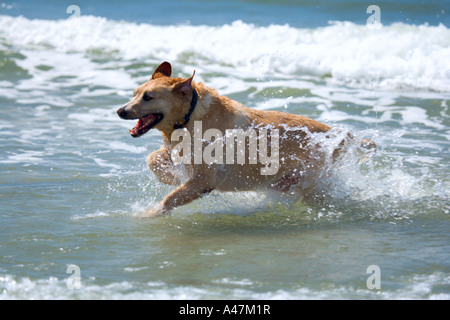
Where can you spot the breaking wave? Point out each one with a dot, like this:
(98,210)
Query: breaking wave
(397,55)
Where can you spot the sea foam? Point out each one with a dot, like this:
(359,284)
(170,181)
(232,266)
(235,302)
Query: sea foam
(396,55)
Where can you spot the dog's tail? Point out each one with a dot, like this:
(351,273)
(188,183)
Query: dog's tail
(370,148)
(369,145)
(366,149)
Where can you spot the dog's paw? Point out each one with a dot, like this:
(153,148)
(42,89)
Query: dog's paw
(155,211)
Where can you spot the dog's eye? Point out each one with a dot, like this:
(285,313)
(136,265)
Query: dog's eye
(147,97)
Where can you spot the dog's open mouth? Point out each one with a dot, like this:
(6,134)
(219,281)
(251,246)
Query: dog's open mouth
(146,123)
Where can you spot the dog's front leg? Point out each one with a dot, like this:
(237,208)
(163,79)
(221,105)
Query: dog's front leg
(187,192)
(160,163)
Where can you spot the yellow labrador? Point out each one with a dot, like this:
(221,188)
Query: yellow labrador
(221,144)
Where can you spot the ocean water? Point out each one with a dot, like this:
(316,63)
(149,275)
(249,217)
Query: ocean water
(74,184)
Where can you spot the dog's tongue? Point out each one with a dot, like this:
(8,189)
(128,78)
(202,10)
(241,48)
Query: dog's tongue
(142,122)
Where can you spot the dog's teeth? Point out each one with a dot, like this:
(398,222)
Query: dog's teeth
(149,121)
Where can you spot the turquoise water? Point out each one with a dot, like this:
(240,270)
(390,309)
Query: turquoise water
(74,183)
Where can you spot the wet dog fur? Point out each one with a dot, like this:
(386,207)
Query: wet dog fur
(163,102)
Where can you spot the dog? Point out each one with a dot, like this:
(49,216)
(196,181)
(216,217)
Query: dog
(182,108)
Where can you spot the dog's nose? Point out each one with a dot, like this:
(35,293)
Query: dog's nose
(122,112)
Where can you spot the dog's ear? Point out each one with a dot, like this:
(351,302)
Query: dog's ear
(185,85)
(164,69)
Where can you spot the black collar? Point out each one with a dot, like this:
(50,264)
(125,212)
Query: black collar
(191,109)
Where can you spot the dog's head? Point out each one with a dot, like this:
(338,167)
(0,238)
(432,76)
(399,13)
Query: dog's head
(159,103)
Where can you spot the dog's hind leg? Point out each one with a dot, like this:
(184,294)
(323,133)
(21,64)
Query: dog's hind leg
(286,183)
(161,164)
